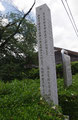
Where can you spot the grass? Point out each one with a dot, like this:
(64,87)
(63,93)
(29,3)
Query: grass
(21,100)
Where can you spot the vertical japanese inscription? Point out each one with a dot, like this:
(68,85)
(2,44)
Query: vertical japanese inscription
(40,42)
(45,35)
(48,83)
(41,54)
(48,80)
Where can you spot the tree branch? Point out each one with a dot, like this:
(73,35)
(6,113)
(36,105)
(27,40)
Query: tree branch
(11,36)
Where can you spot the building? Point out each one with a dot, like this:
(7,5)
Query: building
(73,55)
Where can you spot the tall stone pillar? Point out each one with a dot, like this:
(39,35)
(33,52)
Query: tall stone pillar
(48,82)
(66,68)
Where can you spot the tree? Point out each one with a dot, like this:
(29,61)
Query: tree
(21,44)
(17,44)
(3,29)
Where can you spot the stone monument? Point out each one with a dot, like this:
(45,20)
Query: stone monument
(66,68)
(48,82)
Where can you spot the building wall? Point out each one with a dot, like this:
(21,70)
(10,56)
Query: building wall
(58,57)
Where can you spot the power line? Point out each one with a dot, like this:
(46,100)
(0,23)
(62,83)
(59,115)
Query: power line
(71,15)
(71,18)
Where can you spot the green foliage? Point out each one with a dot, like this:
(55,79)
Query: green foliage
(33,73)
(68,98)
(21,100)
(23,42)
(10,71)
(59,69)
(14,68)
(74,66)
(19,50)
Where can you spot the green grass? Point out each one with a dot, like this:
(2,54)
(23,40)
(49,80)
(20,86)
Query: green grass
(21,100)
(68,98)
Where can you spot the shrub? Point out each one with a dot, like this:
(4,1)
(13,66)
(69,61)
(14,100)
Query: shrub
(74,66)
(33,73)
(59,70)
(21,100)
(10,72)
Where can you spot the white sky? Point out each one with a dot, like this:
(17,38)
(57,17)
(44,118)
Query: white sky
(63,33)
(2,7)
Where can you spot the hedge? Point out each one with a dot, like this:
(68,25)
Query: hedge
(34,73)
(11,72)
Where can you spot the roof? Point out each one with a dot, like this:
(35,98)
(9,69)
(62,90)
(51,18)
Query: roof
(69,51)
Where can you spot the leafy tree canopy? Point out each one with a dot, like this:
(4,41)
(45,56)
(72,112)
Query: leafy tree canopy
(20,44)
(17,45)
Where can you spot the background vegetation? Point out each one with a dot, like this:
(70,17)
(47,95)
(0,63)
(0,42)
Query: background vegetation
(68,98)
(21,100)
(18,69)
(17,46)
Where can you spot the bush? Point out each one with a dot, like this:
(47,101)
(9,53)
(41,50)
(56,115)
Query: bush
(59,71)
(10,72)
(32,73)
(74,66)
(21,100)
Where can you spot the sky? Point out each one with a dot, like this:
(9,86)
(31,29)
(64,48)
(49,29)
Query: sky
(63,32)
